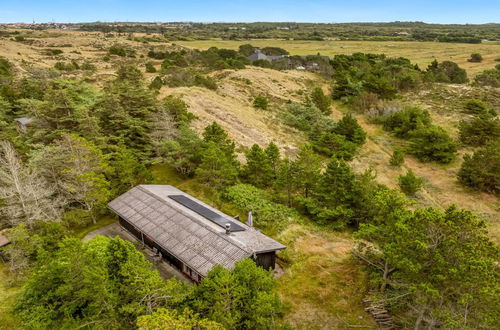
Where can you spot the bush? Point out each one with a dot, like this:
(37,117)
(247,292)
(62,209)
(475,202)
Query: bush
(410,183)
(475,58)
(481,171)
(66,66)
(263,64)
(447,72)
(205,81)
(267,214)
(52,52)
(335,145)
(304,118)
(489,77)
(403,123)
(117,50)
(480,130)
(150,67)
(397,158)
(156,83)
(433,144)
(475,107)
(260,102)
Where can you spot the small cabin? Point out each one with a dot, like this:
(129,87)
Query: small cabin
(189,234)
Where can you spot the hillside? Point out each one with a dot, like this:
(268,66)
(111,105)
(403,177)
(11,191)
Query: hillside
(321,285)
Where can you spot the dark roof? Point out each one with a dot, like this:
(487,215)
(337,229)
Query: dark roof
(192,238)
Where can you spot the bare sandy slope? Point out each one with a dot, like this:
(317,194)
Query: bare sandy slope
(231,104)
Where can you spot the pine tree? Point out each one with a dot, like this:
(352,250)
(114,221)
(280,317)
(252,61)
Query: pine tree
(258,167)
(348,126)
(216,169)
(333,196)
(216,134)
(322,101)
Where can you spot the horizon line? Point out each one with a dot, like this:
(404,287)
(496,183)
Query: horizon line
(247,22)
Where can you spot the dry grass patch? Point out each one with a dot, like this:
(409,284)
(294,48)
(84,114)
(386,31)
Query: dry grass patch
(322,285)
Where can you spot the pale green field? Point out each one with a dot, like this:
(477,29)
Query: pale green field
(421,53)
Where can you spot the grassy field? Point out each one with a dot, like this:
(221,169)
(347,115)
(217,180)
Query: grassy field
(421,53)
(7,294)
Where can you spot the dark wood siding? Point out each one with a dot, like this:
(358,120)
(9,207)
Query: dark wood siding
(266,260)
(151,243)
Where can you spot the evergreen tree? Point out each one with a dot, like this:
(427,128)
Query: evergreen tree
(307,167)
(348,126)
(216,169)
(321,101)
(242,298)
(482,170)
(333,196)
(257,170)
(273,157)
(216,134)
(409,183)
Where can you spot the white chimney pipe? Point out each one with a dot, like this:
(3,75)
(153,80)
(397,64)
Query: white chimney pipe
(250,219)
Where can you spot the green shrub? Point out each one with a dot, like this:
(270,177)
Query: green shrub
(260,102)
(66,66)
(475,107)
(52,52)
(480,130)
(481,171)
(119,51)
(403,123)
(87,66)
(490,77)
(156,83)
(304,118)
(433,144)
(475,58)
(409,183)
(150,67)
(205,81)
(397,158)
(334,145)
(267,214)
(447,72)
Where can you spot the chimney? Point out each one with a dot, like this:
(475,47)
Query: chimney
(250,219)
(228,228)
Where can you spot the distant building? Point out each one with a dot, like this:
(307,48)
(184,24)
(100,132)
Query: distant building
(191,235)
(259,55)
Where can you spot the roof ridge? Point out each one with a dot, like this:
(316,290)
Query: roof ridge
(180,207)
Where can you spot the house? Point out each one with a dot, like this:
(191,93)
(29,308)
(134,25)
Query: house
(23,123)
(259,55)
(191,235)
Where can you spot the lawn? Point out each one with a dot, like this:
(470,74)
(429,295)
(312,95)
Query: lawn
(421,53)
